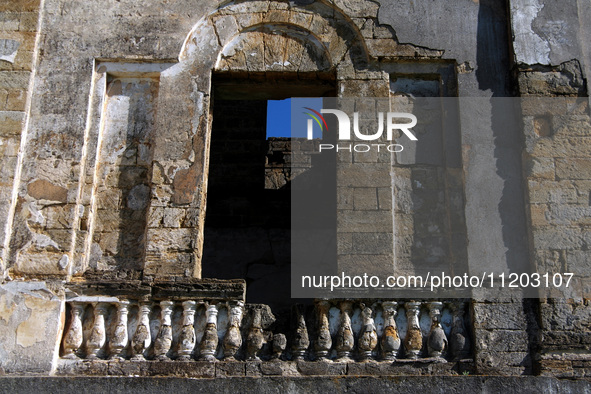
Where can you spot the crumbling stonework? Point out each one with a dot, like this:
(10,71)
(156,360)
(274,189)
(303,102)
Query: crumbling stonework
(555,156)
(17,46)
(115,128)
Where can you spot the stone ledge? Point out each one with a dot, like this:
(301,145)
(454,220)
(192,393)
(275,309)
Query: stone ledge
(401,384)
(223,369)
(210,289)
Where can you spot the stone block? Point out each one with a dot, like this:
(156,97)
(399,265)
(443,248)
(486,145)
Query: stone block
(280,368)
(540,167)
(24,308)
(567,238)
(58,216)
(364,221)
(173,217)
(253,369)
(160,239)
(572,126)
(502,340)
(372,243)
(378,265)
(127,368)
(37,260)
(503,363)
(539,215)
(9,147)
(365,199)
(8,169)
(24,5)
(499,316)
(573,168)
(542,191)
(344,198)
(230,368)
(9,21)
(202,369)
(570,215)
(11,123)
(370,156)
(385,199)
(14,79)
(353,9)
(314,368)
(28,21)
(578,262)
(366,88)
(344,243)
(8,52)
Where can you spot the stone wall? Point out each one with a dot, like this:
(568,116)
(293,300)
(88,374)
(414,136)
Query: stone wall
(556,156)
(112,178)
(18,29)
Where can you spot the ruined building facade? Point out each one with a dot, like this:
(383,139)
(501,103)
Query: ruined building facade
(144,216)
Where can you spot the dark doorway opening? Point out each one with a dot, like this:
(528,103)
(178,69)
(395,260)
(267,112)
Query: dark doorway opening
(247,225)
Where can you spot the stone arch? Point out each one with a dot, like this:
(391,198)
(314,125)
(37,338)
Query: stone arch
(276,48)
(319,24)
(325,38)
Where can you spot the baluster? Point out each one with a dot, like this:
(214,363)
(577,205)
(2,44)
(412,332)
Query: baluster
(390,339)
(233,338)
(74,335)
(279,345)
(301,340)
(459,341)
(209,341)
(436,342)
(163,340)
(414,339)
(324,341)
(187,334)
(345,340)
(97,337)
(142,338)
(255,339)
(368,338)
(120,337)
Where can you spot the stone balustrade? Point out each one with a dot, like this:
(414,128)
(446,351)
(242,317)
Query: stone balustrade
(111,328)
(184,329)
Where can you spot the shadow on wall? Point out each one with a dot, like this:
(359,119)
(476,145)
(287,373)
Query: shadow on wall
(494,73)
(123,196)
(247,225)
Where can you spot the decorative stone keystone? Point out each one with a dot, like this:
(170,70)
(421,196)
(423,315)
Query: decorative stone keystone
(187,334)
(390,339)
(98,336)
(301,340)
(74,335)
(233,338)
(209,342)
(414,338)
(255,338)
(368,338)
(163,340)
(345,340)
(120,336)
(323,341)
(142,338)
(459,341)
(436,342)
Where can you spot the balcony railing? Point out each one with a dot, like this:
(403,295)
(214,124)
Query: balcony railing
(167,323)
